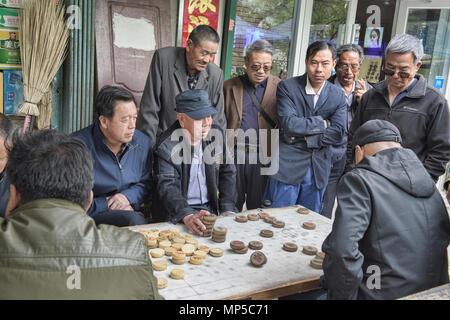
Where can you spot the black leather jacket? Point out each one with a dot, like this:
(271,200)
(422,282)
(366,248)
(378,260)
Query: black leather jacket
(172,180)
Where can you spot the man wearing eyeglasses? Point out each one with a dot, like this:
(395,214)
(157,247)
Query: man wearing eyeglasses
(251,104)
(174,70)
(348,61)
(419,111)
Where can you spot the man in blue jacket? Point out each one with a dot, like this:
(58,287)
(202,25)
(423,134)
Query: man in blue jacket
(122,159)
(313,116)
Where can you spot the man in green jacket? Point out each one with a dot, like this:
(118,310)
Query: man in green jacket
(49,247)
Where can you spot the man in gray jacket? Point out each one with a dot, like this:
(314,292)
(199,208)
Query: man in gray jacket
(405,99)
(174,70)
(392,229)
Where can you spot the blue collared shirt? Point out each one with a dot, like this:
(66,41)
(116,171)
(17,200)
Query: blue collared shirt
(128,173)
(197,189)
(404,93)
(249,111)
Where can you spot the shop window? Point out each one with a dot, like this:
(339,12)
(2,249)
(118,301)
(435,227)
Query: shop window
(263,19)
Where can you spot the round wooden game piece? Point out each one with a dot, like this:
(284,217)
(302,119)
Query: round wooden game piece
(258,259)
(162,283)
(303,210)
(200,254)
(266,233)
(278,224)
(241,251)
(241,218)
(209,218)
(309,250)
(177,274)
(164,244)
(157,253)
(204,248)
(196,260)
(237,245)
(169,251)
(159,265)
(309,225)
(188,249)
(263,214)
(216,252)
(253,217)
(269,219)
(290,246)
(320,255)
(219,231)
(255,245)
(316,263)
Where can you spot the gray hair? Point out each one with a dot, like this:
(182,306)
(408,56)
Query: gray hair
(404,43)
(350,47)
(258,45)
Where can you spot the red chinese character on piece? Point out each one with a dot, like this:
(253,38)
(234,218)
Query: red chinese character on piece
(201,5)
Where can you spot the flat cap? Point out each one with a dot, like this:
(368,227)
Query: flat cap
(376,131)
(195,103)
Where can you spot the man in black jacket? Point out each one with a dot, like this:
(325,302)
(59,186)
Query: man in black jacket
(192,175)
(419,111)
(391,231)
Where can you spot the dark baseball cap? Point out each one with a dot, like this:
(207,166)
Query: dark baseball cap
(376,131)
(195,103)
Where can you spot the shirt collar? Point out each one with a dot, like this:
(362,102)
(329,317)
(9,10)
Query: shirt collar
(336,82)
(248,82)
(310,90)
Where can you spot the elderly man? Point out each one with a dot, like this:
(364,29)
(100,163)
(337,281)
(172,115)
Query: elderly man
(250,104)
(391,230)
(189,188)
(49,247)
(174,70)
(6,129)
(348,61)
(122,159)
(313,117)
(419,111)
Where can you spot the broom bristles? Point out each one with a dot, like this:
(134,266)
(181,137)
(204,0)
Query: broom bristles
(43,45)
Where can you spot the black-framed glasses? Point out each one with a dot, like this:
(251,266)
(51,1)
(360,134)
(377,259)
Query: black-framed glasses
(256,67)
(346,67)
(401,74)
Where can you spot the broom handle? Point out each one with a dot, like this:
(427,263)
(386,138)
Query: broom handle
(26,124)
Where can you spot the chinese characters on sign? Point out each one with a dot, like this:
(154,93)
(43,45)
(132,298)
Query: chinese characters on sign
(198,12)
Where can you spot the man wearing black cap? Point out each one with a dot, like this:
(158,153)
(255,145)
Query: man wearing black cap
(187,186)
(392,229)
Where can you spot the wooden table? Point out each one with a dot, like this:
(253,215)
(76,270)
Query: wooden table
(233,277)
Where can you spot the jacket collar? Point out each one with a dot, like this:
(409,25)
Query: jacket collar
(417,91)
(308,98)
(41,206)
(99,139)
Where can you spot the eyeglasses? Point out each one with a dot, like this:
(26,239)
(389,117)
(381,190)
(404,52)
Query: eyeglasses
(401,74)
(346,67)
(256,67)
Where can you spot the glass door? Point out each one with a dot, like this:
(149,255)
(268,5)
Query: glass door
(430,22)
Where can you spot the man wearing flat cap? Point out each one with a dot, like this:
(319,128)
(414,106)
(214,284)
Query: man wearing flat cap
(187,186)
(391,230)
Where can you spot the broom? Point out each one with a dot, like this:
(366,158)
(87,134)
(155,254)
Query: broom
(43,47)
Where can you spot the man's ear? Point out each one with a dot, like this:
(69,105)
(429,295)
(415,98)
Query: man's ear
(359,154)
(14,201)
(418,65)
(180,119)
(91,198)
(103,122)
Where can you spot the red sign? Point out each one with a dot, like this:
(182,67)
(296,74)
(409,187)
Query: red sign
(198,12)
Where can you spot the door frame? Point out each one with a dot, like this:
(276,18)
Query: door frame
(402,17)
(302,18)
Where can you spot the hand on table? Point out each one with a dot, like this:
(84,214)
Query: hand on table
(194,223)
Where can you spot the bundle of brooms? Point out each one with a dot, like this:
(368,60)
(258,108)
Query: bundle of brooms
(44,38)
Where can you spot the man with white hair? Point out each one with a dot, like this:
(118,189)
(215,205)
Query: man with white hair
(419,111)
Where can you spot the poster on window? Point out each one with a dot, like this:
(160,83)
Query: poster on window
(198,12)
(374,37)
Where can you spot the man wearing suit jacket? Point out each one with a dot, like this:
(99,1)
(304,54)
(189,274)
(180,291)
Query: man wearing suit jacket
(241,113)
(313,116)
(174,70)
